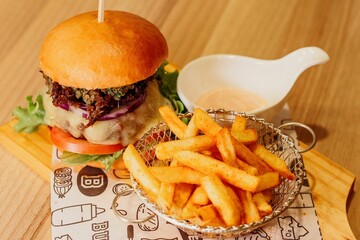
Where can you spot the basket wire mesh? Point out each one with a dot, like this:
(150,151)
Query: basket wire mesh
(269,136)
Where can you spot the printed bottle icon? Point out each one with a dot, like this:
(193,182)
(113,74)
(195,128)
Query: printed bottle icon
(75,214)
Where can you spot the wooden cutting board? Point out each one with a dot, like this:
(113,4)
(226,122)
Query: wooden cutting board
(330,183)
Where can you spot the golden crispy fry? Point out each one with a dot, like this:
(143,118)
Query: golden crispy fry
(239,124)
(217,222)
(197,199)
(207,213)
(182,194)
(246,167)
(218,194)
(166,150)
(262,205)
(191,130)
(226,148)
(189,210)
(236,199)
(138,169)
(206,152)
(250,211)
(268,180)
(200,197)
(272,160)
(169,116)
(166,193)
(268,195)
(247,136)
(178,174)
(209,165)
(214,153)
(239,131)
(249,157)
(205,123)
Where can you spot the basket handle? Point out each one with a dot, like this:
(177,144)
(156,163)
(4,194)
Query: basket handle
(122,193)
(309,129)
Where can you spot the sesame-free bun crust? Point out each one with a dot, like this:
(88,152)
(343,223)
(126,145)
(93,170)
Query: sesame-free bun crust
(83,53)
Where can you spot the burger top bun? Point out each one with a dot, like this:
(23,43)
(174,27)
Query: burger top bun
(83,53)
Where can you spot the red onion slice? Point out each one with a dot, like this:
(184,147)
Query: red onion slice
(65,106)
(119,111)
(115,113)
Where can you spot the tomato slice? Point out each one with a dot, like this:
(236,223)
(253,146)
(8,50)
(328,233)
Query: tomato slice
(65,141)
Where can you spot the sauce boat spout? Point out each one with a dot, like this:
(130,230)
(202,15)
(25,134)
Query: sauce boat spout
(301,59)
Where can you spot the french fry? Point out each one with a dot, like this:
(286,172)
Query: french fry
(165,150)
(205,123)
(209,165)
(178,174)
(239,131)
(200,197)
(249,157)
(247,136)
(197,199)
(182,194)
(261,203)
(169,116)
(246,167)
(206,152)
(191,130)
(207,213)
(218,194)
(189,210)
(236,199)
(226,148)
(217,222)
(268,180)
(250,210)
(272,160)
(268,195)
(138,169)
(166,193)
(239,124)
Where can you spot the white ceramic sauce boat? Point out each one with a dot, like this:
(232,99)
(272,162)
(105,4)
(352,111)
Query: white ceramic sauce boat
(270,79)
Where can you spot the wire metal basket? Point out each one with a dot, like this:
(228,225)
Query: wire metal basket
(269,136)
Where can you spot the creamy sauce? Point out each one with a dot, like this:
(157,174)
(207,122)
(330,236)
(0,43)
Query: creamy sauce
(231,99)
(125,129)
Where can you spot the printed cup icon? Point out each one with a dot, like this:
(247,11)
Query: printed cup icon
(62,181)
(75,214)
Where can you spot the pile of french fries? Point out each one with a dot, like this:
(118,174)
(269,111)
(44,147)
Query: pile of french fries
(216,176)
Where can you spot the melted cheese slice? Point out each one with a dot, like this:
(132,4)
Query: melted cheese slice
(125,129)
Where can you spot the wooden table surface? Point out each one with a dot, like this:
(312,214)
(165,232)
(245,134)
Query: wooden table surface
(325,97)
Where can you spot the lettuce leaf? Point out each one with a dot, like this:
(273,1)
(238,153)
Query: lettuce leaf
(76,159)
(31,117)
(167,83)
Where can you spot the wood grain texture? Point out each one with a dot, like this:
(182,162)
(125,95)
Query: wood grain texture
(324,97)
(330,193)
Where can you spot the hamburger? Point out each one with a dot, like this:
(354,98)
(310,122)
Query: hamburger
(101,89)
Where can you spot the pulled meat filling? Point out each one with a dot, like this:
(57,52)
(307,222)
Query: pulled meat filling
(97,102)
